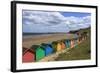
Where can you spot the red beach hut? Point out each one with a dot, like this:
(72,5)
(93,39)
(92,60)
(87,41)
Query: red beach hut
(28,55)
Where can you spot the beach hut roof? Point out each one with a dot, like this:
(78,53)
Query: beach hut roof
(26,49)
(45,45)
(35,47)
(59,41)
(54,42)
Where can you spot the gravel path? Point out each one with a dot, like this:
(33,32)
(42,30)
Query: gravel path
(52,57)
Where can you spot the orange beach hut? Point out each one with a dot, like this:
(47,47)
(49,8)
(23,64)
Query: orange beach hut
(63,46)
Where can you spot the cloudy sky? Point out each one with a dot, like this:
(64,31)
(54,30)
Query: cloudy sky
(43,21)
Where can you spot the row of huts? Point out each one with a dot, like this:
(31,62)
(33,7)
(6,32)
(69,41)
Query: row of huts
(38,52)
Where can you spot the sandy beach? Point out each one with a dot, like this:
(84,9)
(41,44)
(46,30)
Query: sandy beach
(36,40)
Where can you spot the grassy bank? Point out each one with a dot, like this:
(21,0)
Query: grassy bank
(80,52)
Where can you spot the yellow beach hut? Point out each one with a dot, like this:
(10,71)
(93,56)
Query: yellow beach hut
(59,47)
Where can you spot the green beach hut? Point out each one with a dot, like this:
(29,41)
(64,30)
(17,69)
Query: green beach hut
(39,52)
(67,43)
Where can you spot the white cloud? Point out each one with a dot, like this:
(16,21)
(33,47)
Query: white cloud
(39,21)
(75,23)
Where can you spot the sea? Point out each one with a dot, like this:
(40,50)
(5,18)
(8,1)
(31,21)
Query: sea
(29,35)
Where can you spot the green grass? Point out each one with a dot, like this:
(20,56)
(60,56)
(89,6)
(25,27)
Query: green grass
(80,52)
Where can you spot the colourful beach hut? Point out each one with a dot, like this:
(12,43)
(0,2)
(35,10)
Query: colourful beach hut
(28,55)
(48,48)
(59,46)
(54,46)
(80,39)
(72,43)
(84,35)
(67,43)
(39,52)
(75,39)
(75,42)
(63,46)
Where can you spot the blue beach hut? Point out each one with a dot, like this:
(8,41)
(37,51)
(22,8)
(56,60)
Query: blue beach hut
(48,49)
